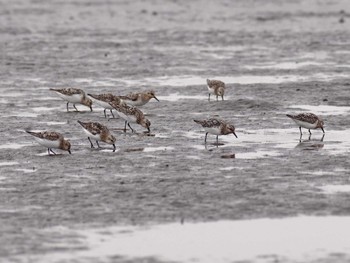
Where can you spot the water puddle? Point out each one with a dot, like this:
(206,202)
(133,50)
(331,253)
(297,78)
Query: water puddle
(26,171)
(179,81)
(296,239)
(288,65)
(269,143)
(155,149)
(46,109)
(334,189)
(13,94)
(188,80)
(108,82)
(13,146)
(176,97)
(24,114)
(323,109)
(51,123)
(8,163)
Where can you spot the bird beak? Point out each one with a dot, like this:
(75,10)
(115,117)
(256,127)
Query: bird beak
(69,152)
(114,147)
(155,98)
(234,134)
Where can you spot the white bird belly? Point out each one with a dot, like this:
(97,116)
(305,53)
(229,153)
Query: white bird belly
(212,91)
(128,118)
(48,143)
(93,136)
(104,104)
(213,130)
(306,125)
(75,98)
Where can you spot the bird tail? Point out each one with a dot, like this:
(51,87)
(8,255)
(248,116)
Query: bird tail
(81,123)
(290,116)
(198,121)
(35,134)
(92,95)
(32,133)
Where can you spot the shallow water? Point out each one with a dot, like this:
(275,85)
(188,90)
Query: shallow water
(262,240)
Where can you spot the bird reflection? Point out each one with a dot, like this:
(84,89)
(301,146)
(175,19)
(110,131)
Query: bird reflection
(210,147)
(310,144)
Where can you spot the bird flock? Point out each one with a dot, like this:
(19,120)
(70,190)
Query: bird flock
(126,108)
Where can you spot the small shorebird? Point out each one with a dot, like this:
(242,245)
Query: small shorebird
(51,140)
(73,95)
(216,87)
(104,99)
(307,121)
(131,114)
(139,99)
(216,127)
(98,132)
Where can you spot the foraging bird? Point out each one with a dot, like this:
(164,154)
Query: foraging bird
(51,140)
(104,99)
(131,114)
(73,95)
(98,132)
(216,127)
(139,99)
(216,87)
(307,121)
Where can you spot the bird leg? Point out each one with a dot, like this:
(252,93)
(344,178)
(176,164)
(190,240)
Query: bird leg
(309,131)
(104,111)
(125,126)
(132,130)
(205,138)
(322,138)
(92,146)
(97,144)
(112,113)
(322,130)
(209,97)
(50,150)
(75,107)
(67,106)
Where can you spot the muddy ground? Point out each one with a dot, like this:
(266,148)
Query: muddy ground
(282,57)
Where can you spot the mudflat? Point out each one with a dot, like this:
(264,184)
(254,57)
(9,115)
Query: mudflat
(277,58)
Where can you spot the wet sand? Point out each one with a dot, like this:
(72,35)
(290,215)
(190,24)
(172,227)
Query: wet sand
(275,59)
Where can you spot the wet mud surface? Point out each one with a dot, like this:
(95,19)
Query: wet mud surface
(275,59)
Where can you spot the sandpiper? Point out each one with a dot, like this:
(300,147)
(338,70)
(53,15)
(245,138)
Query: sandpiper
(131,114)
(216,87)
(73,95)
(307,121)
(139,99)
(98,132)
(216,127)
(51,140)
(104,99)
